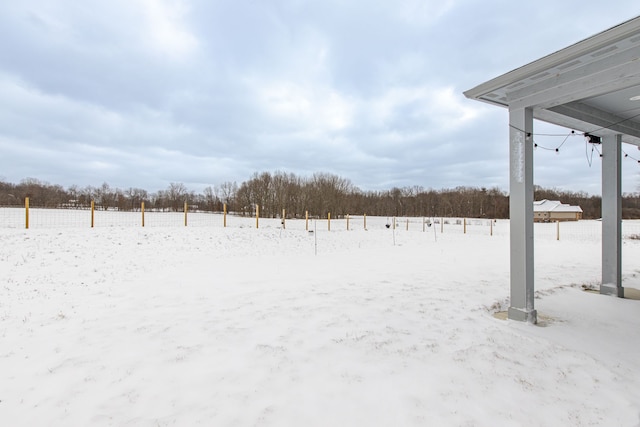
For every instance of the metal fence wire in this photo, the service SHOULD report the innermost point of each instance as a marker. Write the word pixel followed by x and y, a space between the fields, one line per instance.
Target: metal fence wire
pixel 20 217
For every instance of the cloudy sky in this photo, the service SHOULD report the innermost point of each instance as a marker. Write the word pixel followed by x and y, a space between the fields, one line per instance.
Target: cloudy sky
pixel 142 93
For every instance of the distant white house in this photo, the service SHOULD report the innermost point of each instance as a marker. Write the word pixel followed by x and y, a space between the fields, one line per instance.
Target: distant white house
pixel 553 210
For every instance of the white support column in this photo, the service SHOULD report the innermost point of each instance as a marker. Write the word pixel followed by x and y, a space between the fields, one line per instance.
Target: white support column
pixel 521 306
pixel 612 216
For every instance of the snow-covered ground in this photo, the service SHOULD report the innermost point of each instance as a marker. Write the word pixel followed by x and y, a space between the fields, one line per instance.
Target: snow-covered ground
pixel 238 326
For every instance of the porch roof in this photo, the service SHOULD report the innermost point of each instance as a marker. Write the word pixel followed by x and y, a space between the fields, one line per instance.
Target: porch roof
pixel 592 86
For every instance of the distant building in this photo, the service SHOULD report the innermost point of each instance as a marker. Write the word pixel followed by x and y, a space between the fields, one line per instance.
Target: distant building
pixel 553 210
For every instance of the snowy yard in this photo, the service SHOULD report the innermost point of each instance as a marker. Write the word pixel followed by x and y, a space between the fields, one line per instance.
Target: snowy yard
pixel 241 326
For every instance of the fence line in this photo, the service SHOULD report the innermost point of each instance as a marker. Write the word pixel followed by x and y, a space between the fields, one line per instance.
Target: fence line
pixel 94 216
pixel 30 217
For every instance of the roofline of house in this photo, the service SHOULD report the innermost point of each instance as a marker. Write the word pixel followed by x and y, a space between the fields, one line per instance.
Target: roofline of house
pixel 586 46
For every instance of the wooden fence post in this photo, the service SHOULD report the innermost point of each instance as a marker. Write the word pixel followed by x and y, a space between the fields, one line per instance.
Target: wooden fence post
pixel 557 230
pixel 365 221
pixel 257 215
pixel 329 221
pixel 93 210
pixel 26 212
pixel 185 213
pixel 142 211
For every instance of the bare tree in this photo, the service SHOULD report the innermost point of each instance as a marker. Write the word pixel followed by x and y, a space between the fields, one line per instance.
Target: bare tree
pixel 105 197
pixel 319 194
pixel 176 195
pixel 210 199
pixel 227 193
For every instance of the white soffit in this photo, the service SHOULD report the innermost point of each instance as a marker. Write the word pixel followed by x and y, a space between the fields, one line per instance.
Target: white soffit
pixel 589 86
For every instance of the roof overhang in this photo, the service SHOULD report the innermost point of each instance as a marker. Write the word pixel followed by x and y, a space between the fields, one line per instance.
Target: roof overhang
pixel 592 86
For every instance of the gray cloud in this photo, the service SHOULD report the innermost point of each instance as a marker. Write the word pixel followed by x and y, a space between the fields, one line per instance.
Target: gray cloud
pixel 143 93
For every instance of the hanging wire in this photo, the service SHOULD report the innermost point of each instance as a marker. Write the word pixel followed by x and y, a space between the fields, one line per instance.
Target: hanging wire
pixel 557 149
pixel 591 131
pixel 539 134
pixel 626 155
pixel 588 155
pixel 614 124
pixel 586 151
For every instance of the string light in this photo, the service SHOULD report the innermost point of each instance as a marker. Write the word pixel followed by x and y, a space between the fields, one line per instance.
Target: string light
pixel 589 139
pixel 557 149
pixel 626 155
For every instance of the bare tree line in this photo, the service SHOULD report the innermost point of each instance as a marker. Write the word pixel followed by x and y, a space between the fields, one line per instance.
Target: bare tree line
pixel 320 194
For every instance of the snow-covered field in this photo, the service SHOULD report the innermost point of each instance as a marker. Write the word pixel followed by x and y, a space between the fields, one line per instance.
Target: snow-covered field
pixel 238 326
